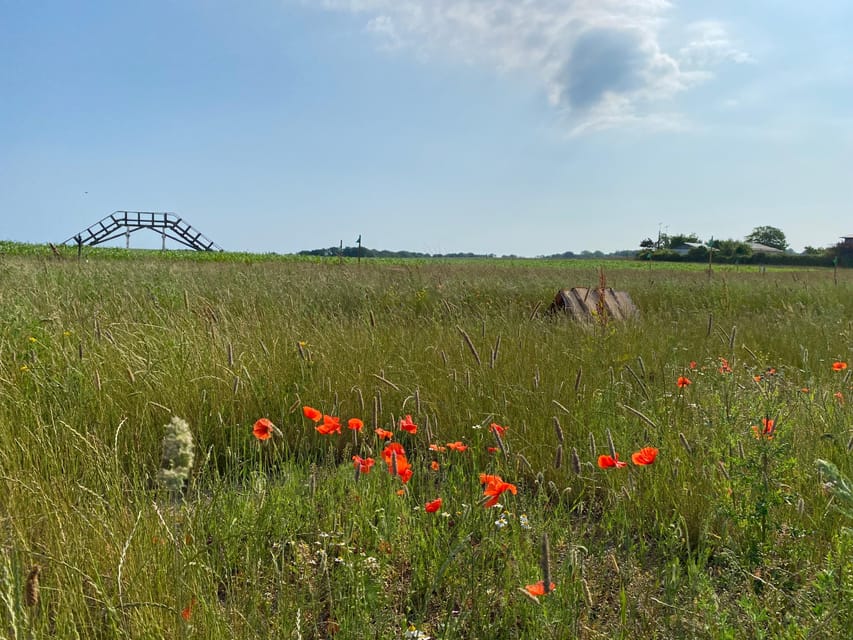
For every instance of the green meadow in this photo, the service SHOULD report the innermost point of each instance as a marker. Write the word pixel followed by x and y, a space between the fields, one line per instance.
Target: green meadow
pixel 733 531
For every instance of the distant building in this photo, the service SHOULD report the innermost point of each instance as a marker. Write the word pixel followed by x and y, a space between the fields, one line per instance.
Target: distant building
pixel 757 247
pixel 685 247
pixel 847 242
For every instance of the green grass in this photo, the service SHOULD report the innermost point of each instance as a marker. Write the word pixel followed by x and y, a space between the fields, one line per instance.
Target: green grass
pixel 725 535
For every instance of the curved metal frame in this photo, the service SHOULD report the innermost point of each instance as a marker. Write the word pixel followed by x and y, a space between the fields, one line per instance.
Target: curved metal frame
pixel 119 223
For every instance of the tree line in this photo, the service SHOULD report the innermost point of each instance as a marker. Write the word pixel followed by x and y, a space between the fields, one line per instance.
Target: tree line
pixel 688 248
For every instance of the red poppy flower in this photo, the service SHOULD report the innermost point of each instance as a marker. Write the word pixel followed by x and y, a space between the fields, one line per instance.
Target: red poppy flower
pixel 644 456
pixel 683 382
pixel 384 435
pixel 495 486
pixel 437 447
pixel 606 462
pixel 331 424
pixel 263 429
pixel 839 366
pixel 355 424
pixel 538 589
pixel 406 424
pixel 758 378
pixel 767 430
pixel 498 429
pixel 390 449
pixel 724 366
pixel 363 464
pixel 492 449
pixel 187 612
pixel 394 456
pixel 457 446
pixel 434 465
pixel 312 414
pixel 839 396
pixel 433 506
pixel 692 364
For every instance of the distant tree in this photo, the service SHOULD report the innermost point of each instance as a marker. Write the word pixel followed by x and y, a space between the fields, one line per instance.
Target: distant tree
pixel 771 236
pixel 647 243
pixel 814 251
pixel 731 249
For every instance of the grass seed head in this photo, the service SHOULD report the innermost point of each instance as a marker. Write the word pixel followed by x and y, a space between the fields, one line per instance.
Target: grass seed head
pixel 177 458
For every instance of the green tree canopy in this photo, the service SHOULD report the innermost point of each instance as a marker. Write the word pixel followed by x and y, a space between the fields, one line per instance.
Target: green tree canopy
pixel 679 239
pixel 731 249
pixel 771 236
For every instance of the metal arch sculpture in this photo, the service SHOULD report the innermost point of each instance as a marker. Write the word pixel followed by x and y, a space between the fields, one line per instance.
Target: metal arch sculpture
pixel 119 223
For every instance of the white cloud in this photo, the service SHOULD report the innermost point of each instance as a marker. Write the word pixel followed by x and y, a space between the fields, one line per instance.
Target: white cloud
pixel 600 62
pixel 710 45
pixel 383 28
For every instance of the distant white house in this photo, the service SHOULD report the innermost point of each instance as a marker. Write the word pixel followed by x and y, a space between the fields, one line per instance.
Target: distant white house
pixel 685 247
pixel 757 247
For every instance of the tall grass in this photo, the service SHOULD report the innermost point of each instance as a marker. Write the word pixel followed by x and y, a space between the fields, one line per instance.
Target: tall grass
pixel 725 535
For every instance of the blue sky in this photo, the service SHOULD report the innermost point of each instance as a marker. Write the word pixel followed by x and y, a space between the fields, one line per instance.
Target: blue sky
pixel 524 127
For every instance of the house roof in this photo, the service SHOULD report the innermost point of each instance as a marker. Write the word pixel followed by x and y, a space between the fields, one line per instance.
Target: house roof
pixel 757 247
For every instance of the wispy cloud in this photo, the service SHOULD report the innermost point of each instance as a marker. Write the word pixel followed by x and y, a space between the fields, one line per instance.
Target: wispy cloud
pixel 710 45
pixel 600 62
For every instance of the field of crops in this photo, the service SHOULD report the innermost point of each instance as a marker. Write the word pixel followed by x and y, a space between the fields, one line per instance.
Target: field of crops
pixel 249 517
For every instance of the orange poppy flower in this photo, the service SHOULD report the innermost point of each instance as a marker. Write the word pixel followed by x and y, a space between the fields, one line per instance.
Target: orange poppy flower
pixel 495 486
pixel 355 424
pixel 606 462
pixel 758 378
pixel 434 465
pixel 263 429
pixel 498 429
pixel 394 456
pixel 538 589
pixel 187 612
pixel 331 424
pixel 692 364
pixel 406 424
pixel 683 382
pixel 437 447
pixel 391 449
pixel 384 435
pixel 644 456
pixel 433 506
pixel 839 396
pixel 769 427
pixel 401 492
pixel 312 414
pixel 839 366
pixel 363 464
pixel 457 446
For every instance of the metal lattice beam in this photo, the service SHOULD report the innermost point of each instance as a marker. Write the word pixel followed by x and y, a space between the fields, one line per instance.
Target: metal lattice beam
pixel 120 223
